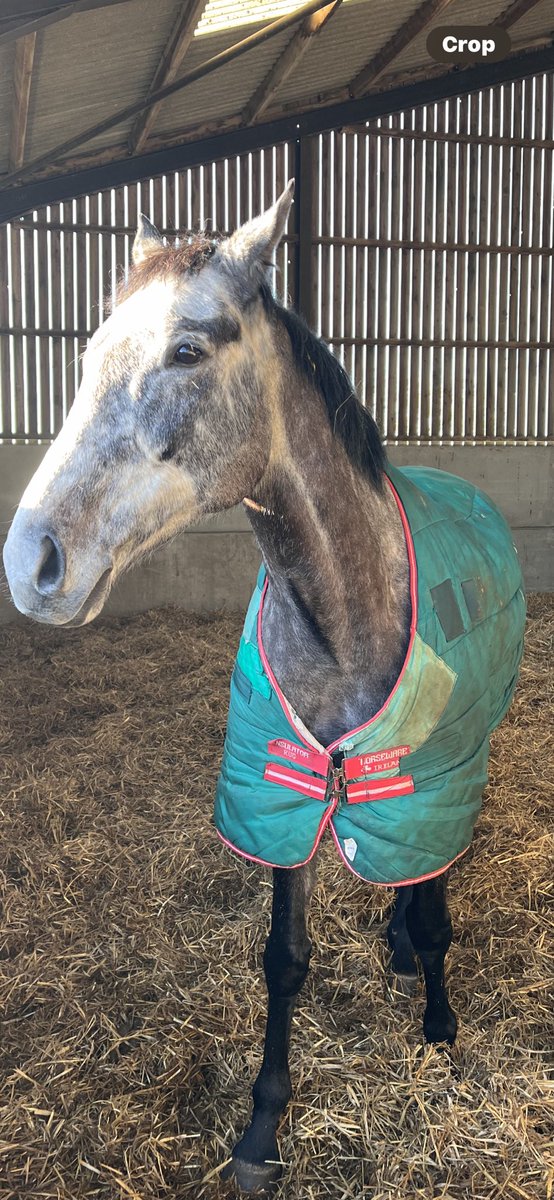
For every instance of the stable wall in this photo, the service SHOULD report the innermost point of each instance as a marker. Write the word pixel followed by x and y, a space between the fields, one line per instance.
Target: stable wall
pixel 213 565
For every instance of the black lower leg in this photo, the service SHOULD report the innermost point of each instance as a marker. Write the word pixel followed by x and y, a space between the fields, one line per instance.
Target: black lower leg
pixel 402 962
pixel 430 930
pixel 286 960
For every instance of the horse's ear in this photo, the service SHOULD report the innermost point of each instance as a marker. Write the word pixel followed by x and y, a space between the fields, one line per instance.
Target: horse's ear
pixel 147 240
pixel 255 242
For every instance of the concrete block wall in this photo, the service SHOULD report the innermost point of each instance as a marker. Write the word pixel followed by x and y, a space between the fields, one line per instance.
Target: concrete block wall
pixel 213 565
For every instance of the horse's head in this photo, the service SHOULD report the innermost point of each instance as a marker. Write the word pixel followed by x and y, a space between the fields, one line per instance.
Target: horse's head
pixel 167 424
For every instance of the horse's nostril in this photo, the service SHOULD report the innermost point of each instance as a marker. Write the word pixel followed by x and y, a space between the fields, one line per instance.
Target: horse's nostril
pixel 51 569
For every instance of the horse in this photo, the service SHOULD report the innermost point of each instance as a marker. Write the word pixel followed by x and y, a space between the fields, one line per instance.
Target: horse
pixel 387 618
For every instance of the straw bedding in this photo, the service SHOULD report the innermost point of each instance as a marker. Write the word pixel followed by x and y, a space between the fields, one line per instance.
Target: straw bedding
pixel 130 950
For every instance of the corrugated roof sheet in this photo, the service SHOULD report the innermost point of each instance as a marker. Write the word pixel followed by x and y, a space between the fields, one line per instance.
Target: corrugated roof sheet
pixel 6 96
pixel 343 47
pixel 539 20
pixel 225 93
pixel 89 66
pixel 77 83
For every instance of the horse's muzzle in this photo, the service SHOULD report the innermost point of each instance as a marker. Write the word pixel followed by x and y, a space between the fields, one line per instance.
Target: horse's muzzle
pixel 42 588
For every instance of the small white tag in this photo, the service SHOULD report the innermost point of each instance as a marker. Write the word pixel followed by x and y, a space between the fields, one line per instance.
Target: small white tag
pixel 350 848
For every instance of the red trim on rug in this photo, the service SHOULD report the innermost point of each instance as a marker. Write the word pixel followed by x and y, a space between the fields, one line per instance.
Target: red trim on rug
pixel 280 695
pixel 297 781
pixel 263 862
pixel 398 882
pixel 385 789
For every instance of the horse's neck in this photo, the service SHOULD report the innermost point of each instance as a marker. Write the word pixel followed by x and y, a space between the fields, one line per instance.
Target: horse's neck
pixel 336 617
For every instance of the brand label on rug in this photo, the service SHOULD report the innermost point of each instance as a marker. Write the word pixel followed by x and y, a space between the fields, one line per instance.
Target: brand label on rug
pixel 350 848
pixel 311 759
pixel 369 764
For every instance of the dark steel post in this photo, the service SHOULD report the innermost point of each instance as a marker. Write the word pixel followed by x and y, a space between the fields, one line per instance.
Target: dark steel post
pixel 305 220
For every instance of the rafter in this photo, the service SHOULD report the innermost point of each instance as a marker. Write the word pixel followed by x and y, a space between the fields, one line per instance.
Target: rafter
pixel 514 12
pixel 25 9
pixel 13 27
pixel 110 171
pixel 290 57
pixel 200 72
pixel 174 52
pixel 22 77
pixel 410 29
pixel 420 20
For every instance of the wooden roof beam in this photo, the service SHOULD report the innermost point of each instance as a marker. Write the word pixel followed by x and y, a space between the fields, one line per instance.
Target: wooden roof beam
pixel 406 33
pixel 425 15
pixel 22 78
pixel 514 12
pixel 12 27
pixel 174 52
pixel 25 9
pixel 80 179
pixel 200 72
pixel 286 62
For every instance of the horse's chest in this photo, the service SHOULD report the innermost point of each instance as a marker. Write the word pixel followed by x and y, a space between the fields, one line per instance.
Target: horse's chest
pixel 328 698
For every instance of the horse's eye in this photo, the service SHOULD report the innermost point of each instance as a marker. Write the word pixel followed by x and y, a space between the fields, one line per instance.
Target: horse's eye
pixel 187 355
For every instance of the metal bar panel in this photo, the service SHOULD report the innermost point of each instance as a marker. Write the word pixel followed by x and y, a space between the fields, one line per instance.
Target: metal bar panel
pixel 55 321
pixel 545 389
pixel 42 346
pixel 395 220
pixel 6 418
pixel 17 343
pixel 514 304
pixel 359 301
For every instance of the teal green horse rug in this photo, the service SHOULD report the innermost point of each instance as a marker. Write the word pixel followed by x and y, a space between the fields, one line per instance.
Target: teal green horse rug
pixel 403 803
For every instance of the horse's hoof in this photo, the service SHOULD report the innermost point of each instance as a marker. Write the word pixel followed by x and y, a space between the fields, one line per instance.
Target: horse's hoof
pixel 405 985
pixel 258 1179
pixel 441 1028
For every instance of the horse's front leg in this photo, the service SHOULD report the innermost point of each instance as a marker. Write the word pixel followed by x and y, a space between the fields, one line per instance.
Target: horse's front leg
pixel 430 931
pixel 255 1162
pixel 402 964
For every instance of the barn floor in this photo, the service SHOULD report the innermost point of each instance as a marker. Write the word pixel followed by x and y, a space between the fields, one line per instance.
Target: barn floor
pixel 130 950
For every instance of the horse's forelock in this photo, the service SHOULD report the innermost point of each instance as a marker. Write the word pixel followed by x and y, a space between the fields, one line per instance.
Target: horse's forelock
pixel 187 258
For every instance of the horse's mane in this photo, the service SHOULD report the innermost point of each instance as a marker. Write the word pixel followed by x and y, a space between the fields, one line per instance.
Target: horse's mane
pixel 351 422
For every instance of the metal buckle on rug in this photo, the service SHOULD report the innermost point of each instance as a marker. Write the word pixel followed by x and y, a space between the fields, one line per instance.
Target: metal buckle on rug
pixel 338 783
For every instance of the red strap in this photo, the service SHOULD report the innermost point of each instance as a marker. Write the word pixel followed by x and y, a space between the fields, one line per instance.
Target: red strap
pixel 370 764
pixel 385 789
pixel 307 785
pixel 312 759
